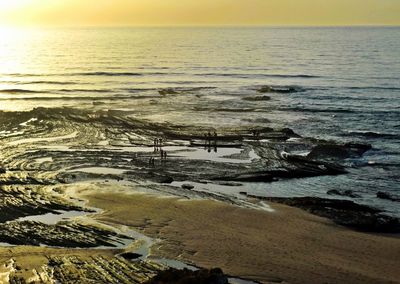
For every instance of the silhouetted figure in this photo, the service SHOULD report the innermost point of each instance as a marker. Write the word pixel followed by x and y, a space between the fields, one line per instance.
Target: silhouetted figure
pixel 165 155
pixel 162 154
pixel 205 140
pixel 151 162
pixel 215 138
pixel 209 139
pixel 160 142
pixel 155 145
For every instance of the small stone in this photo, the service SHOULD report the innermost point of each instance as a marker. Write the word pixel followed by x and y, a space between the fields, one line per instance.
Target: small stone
pixel 187 186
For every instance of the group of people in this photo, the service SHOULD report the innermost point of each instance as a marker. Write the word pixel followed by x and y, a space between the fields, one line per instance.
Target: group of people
pixel 158 144
pixel 210 140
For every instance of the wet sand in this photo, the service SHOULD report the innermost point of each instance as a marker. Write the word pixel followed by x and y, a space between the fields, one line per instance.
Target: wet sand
pixel 284 246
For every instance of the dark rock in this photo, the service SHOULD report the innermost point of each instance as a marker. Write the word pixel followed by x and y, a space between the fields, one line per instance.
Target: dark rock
pixel 358 148
pixel 251 177
pixel 278 90
pixel 168 91
pixel 229 183
pixel 130 255
pixel 347 193
pixel 343 212
pixel 257 98
pixel 329 151
pixel 187 186
pixel 164 179
pixel 387 196
pixel 185 276
pixel 289 132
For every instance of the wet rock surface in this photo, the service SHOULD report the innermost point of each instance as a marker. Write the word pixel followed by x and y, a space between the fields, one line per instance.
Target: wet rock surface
pixel 85 270
pixel 17 202
pixel 64 146
pixel 343 212
pixel 63 234
pixel 46 149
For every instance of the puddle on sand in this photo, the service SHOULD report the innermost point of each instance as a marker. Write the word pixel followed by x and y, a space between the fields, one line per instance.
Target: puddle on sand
pixel 211 154
pixel 100 171
pixel 221 155
pixel 53 218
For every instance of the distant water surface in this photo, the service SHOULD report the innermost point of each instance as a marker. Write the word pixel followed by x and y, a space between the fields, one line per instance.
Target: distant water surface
pixel 344 85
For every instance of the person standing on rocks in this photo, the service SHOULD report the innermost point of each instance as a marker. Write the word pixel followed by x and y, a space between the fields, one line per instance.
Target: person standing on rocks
pixel 209 139
pixel 155 144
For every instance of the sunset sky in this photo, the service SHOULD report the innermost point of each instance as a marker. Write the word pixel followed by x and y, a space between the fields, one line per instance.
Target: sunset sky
pixel 198 12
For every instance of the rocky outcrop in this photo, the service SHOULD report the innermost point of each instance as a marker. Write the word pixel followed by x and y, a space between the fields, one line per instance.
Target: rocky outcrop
pixel 343 212
pixel 278 90
pixel 335 151
pixel 388 196
pixel 63 234
pixel 16 202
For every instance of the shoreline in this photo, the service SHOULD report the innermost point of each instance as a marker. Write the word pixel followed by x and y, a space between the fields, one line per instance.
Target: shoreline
pixel 287 245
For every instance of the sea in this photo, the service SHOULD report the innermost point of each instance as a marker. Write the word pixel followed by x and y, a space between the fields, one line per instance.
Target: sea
pixel 345 84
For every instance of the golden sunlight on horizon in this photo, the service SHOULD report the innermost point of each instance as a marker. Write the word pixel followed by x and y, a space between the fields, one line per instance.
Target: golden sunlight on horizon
pixel 195 12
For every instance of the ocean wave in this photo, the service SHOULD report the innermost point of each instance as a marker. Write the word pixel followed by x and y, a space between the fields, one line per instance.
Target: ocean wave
pixel 226 109
pixel 47 83
pixel 20 91
pixel 316 110
pixel 106 74
pixel 374 88
pixel 93 98
pixel 84 90
pixel 245 75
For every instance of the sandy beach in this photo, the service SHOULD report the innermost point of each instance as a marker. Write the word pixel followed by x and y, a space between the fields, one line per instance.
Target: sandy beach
pixel 284 246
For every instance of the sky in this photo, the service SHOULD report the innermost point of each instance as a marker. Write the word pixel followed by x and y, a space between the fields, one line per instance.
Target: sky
pixel 198 12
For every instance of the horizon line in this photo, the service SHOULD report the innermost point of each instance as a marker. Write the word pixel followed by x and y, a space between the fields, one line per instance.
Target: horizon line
pixel 207 26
